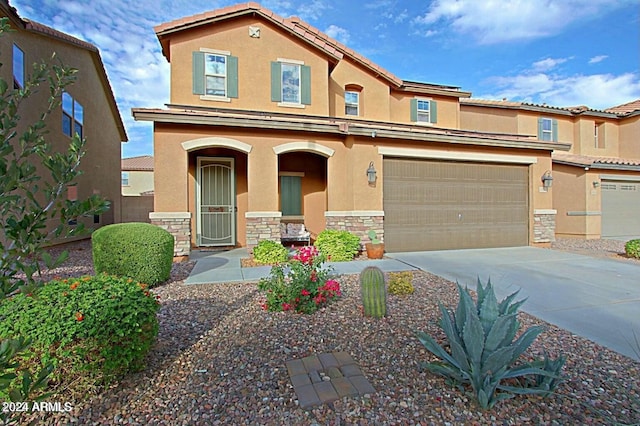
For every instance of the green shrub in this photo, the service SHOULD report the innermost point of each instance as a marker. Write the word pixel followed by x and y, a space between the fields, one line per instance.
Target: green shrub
pixel 483 352
pixel 270 252
pixel 632 248
pixel 338 246
pixel 140 251
pixel 93 329
pixel 400 283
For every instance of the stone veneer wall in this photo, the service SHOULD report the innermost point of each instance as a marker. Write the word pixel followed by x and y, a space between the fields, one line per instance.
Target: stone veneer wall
pixel 179 225
pixel 357 222
pixel 544 226
pixel 262 226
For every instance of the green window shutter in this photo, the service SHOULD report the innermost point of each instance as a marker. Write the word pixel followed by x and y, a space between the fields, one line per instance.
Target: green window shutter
pixel 433 112
pixel 291 195
pixel 414 110
pixel 232 76
pixel 276 82
pixel 305 84
pixel 554 130
pixel 540 128
pixel 198 73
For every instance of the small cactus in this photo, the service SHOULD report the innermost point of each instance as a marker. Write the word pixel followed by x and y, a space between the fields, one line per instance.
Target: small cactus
pixel 374 292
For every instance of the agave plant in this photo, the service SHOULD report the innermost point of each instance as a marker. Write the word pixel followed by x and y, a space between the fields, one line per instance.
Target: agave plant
pixel 483 352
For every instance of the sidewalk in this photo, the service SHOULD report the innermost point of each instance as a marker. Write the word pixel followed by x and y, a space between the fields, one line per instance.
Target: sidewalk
pixel 224 266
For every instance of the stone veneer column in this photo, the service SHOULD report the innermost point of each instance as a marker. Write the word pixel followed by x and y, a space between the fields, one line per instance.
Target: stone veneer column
pixel 544 226
pixel 179 225
pixel 358 222
pixel 262 226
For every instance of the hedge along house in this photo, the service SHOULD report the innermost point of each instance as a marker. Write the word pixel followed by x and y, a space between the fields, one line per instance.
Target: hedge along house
pixel 88 106
pixel 596 185
pixel 271 121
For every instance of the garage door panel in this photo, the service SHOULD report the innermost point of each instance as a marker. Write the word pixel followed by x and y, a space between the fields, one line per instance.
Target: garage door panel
pixel 620 208
pixel 431 205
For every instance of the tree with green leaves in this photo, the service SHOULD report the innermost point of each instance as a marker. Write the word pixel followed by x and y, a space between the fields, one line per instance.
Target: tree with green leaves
pixel 34 178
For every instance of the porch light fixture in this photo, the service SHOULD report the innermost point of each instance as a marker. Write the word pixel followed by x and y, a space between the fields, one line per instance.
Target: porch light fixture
pixel 371 174
pixel 596 184
pixel 547 179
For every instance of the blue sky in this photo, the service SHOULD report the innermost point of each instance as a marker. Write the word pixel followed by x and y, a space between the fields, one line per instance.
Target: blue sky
pixel 559 52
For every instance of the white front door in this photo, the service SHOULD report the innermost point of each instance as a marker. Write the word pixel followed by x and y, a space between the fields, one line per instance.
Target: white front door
pixel 216 197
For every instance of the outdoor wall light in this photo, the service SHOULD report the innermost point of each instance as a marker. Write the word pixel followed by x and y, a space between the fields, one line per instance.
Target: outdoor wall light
pixel 596 184
pixel 547 179
pixel 371 174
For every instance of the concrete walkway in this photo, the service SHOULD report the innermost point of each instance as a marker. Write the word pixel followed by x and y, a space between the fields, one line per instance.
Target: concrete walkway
pixel 592 297
pixel 224 266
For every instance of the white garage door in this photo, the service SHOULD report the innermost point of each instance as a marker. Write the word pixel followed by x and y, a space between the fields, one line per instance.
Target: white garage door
pixel 620 208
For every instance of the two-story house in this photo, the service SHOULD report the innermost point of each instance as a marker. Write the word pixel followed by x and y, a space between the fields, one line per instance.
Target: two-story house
pixel 596 184
pixel 88 105
pixel 272 121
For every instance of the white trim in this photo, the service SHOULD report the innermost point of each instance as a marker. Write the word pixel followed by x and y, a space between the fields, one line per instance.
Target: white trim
pixel 622 178
pixel 291 105
pixel 290 61
pixel 545 211
pixel 452 155
pixel 215 51
pixel 307 146
pixel 215 98
pixel 169 215
pixel 250 215
pixel 194 144
pixel 354 213
pixel 298 174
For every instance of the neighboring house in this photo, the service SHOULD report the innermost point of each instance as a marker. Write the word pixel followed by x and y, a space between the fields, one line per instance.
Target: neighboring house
pixel 271 121
pixel 137 175
pixel 596 184
pixel 88 105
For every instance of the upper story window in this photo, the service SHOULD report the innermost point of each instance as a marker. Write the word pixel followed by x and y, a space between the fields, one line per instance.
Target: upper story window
pixel 215 75
pixel 351 103
pixel 548 129
pixel 18 67
pixel 72 116
pixel 424 111
pixel 125 178
pixel 290 83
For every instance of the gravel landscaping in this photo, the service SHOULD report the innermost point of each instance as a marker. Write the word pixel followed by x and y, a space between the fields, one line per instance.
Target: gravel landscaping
pixel 220 359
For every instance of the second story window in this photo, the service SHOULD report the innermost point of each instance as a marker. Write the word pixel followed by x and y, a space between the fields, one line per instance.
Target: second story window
pixel 215 75
pixel 125 178
pixel 424 111
pixel 18 67
pixel 548 129
pixel 352 103
pixel 72 116
pixel 290 83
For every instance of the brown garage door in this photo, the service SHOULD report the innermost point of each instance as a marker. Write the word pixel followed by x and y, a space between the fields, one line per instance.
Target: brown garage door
pixel 441 205
pixel 620 209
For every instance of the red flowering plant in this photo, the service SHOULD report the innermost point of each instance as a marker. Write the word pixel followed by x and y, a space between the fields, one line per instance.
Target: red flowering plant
pixel 301 285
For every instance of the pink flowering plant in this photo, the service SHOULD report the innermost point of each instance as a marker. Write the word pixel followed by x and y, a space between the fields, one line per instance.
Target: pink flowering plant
pixel 301 285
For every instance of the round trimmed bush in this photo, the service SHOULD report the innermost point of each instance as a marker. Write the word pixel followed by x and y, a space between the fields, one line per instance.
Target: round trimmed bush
pixel 270 252
pixel 140 251
pixel 632 248
pixel 93 329
pixel 337 245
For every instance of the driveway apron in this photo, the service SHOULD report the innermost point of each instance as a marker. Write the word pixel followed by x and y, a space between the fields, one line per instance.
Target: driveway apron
pixel 592 297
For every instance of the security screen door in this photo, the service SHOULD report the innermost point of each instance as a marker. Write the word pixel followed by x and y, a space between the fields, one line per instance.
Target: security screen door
pixel 216 202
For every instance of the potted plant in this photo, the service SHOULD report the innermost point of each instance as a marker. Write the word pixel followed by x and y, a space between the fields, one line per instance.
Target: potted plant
pixel 375 249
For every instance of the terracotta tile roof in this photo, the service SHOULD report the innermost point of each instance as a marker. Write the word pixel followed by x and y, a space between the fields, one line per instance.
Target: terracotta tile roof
pixel 627 108
pixel 570 110
pixel 51 32
pixel 141 163
pixel 595 162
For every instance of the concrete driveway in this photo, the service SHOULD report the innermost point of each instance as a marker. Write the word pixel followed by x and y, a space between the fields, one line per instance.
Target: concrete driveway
pixel 592 297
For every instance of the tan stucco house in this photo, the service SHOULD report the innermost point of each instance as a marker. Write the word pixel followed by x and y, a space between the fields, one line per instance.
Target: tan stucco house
pixel 271 121
pixel 596 184
pixel 137 176
pixel 88 105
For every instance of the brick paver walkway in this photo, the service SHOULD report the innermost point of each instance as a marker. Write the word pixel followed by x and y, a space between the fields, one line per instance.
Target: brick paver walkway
pixel 326 377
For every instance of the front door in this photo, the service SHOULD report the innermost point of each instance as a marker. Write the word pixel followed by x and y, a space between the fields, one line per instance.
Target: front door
pixel 216 202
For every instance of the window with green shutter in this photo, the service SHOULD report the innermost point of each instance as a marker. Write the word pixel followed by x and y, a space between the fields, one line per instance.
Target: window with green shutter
pixel 548 129
pixel 290 83
pixel 424 111
pixel 215 75
pixel 291 195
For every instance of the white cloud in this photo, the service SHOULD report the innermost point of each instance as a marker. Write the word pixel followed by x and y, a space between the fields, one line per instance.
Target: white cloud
pixel 508 20
pixel 312 10
pixel 597 59
pixel 548 63
pixel 338 33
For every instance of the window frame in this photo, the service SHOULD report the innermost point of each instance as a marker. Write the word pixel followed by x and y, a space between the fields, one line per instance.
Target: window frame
pixel 18 80
pixel 123 179
pixel 279 86
pixel 417 112
pixel 215 75
pixel 552 132
pixel 72 116
pixel 422 112
pixel 355 105
pixel 199 74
